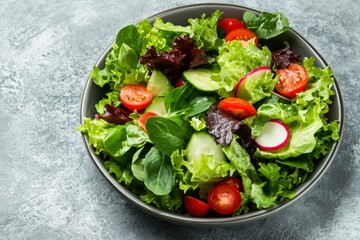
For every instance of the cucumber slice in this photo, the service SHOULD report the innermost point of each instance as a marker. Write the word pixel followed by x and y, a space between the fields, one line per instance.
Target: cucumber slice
pixel 157 106
pixel 158 84
pixel 203 143
pixel 201 79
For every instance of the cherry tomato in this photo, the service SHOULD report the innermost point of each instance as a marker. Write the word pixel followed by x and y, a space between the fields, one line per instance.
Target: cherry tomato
pixel 235 182
pixel 135 96
pixel 224 198
pixel 229 24
pixel 179 82
pixel 238 107
pixel 241 34
pixel 195 206
pixel 292 80
pixel 142 119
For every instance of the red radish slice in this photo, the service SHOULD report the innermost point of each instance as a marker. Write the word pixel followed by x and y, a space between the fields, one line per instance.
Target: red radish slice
pixel 259 72
pixel 274 135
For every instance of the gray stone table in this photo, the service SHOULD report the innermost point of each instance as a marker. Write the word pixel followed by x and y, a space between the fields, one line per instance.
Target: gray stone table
pixel 49 187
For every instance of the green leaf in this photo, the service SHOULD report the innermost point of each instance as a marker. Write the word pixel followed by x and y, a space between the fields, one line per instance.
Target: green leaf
pixel 131 37
pixel 159 175
pixel 263 193
pixel 120 68
pixel 127 57
pixel 303 126
pixel 113 140
pixel 204 31
pixel 97 130
pixel 198 122
pixel 151 36
pixel 255 89
pixel 137 165
pixel 171 202
pixel 187 101
pixel 112 98
pixel 167 135
pixel 266 25
pixel 170 27
pixel 123 174
pixel 318 90
pixel 302 162
pixel 235 61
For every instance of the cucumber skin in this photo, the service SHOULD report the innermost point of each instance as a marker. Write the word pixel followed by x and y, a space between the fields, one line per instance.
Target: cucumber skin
pixel 201 79
pixel 158 84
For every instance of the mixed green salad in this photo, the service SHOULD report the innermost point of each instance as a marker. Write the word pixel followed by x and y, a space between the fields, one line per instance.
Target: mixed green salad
pixel 207 119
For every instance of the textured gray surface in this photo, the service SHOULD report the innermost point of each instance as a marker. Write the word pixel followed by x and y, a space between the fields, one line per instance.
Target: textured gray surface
pixel 50 189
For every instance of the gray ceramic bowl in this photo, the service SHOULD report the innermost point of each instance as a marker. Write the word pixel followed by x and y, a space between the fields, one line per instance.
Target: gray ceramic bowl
pixel 92 94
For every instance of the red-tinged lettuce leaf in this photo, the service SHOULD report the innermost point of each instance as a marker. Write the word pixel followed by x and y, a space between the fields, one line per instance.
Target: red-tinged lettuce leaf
pixel 168 62
pixel 193 56
pixel 221 125
pixel 115 115
pixel 246 140
pixel 284 56
pixel 182 56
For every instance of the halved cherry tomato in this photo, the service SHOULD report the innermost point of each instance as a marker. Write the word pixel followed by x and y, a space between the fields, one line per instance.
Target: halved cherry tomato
pixel 135 96
pixel 179 82
pixel 224 198
pixel 292 80
pixel 235 182
pixel 238 107
pixel 195 206
pixel 142 119
pixel 229 24
pixel 241 34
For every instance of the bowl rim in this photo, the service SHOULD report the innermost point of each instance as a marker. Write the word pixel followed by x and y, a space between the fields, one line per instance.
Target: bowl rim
pixel 183 219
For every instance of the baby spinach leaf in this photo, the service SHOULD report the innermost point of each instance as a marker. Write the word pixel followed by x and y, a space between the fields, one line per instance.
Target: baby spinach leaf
pixel 159 176
pixel 168 135
pixel 187 101
pixel 266 25
pixel 130 36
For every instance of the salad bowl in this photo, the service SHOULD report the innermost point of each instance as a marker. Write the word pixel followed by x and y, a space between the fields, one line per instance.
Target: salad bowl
pixel 179 16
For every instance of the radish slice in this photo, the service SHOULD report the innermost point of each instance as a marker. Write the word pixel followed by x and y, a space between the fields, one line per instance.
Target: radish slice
pixel 274 135
pixel 255 74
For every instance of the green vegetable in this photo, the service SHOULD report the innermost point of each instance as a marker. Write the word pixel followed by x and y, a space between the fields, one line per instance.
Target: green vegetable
pixel 137 165
pixel 204 31
pixel 167 135
pixel 255 89
pixel 302 128
pixel 235 61
pixel 201 79
pixel 266 25
pixel 111 99
pixel 120 68
pixel 129 36
pixel 96 131
pixel 159 84
pixel 171 202
pixel 151 36
pixel 123 174
pixel 169 27
pixel 157 106
pixel 263 190
pixel 187 101
pixel 207 162
pixel 113 139
pixel 159 175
